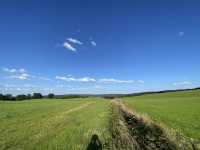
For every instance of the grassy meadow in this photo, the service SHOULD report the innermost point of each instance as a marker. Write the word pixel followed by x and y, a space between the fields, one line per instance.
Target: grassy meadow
pixel 178 110
pixel 70 124
pixel 53 124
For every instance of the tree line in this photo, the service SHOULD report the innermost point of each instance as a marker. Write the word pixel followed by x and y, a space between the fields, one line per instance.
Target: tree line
pixel 10 97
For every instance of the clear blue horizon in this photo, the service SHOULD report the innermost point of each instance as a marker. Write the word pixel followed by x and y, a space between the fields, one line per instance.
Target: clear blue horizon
pixel 97 47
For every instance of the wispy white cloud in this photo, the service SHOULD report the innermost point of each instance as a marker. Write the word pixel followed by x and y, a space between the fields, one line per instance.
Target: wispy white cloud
pixel 13 70
pixel 111 80
pixel 69 46
pixel 75 41
pixel 23 76
pixel 181 33
pixel 87 79
pixel 9 70
pixel 64 78
pixel 93 43
pixel 84 79
pixel 182 83
pixel 140 81
pixel 22 70
pixel 103 80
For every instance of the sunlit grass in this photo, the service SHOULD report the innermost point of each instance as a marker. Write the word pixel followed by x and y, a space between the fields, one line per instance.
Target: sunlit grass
pixel 53 124
pixel 177 110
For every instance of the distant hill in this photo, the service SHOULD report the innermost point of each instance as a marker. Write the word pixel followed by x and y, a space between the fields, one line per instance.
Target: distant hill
pixel 111 96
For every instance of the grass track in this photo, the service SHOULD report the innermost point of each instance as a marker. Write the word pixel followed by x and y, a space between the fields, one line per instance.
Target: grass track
pixel 177 110
pixel 53 124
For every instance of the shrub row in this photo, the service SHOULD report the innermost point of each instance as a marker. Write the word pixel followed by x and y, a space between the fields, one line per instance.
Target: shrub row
pixel 10 97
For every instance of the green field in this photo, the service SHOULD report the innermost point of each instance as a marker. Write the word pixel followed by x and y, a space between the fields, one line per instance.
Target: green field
pixel 53 124
pixel 69 124
pixel 177 110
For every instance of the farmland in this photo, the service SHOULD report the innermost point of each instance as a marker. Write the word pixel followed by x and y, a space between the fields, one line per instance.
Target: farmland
pixel 177 110
pixel 52 124
pixel 71 124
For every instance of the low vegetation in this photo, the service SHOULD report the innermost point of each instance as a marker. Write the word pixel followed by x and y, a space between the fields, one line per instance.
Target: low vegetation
pixel 9 97
pixel 53 124
pixel 129 123
pixel 177 110
pixel 134 132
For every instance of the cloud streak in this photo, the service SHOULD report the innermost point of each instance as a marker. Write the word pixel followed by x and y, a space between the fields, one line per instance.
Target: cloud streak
pixel 93 43
pixel 103 80
pixel 183 83
pixel 69 46
pixel 69 79
pixel 75 41
pixel 181 34
pixel 13 70
pixel 111 80
pixel 22 74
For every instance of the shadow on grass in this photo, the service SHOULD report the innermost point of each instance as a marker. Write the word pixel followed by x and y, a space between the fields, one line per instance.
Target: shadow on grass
pixel 95 143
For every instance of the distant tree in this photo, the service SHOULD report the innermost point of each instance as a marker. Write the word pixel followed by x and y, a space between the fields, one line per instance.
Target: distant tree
pixel 109 97
pixel 28 96
pixel 51 95
pixel 21 97
pixel 1 97
pixel 37 95
pixel 9 97
pixel 72 96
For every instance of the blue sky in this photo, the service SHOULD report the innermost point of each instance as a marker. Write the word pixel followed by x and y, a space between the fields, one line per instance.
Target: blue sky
pixel 90 46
